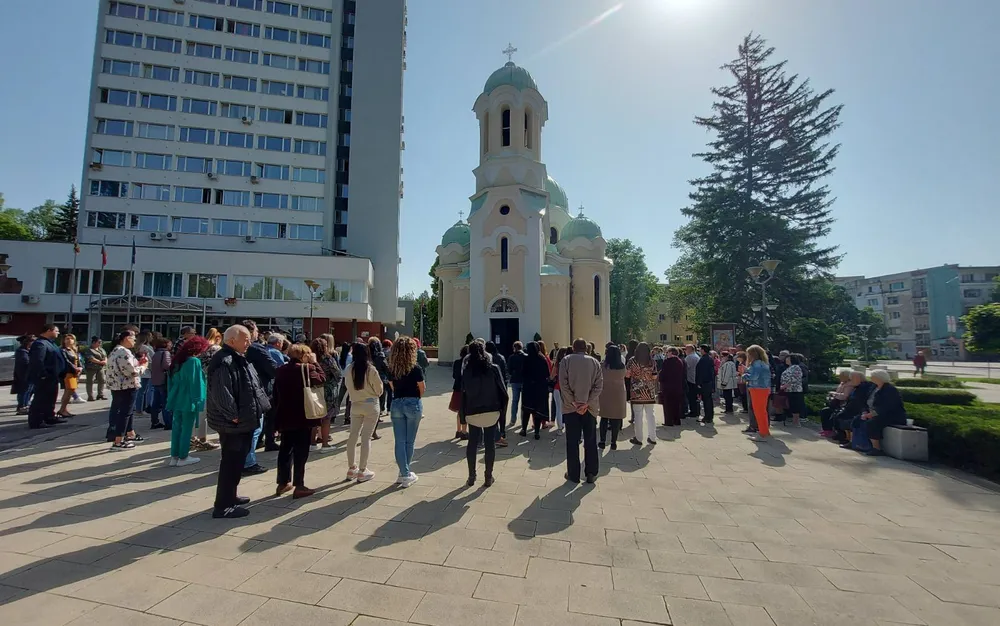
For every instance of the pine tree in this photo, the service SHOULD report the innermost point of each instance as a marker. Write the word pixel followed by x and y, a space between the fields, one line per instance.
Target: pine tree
pixel 65 224
pixel 764 199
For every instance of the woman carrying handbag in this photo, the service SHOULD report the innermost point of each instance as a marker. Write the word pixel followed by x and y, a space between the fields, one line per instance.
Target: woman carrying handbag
pixel 484 395
pixel 299 405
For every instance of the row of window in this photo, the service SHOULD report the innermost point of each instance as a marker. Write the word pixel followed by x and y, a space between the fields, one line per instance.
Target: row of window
pixel 201 226
pixel 165 73
pixel 202 165
pixel 218 24
pixel 176 18
pixel 207 136
pixel 196 195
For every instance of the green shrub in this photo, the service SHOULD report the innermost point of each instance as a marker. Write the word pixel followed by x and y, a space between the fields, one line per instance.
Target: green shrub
pixel 949 397
pixel 988 381
pixel 967 437
pixel 930 383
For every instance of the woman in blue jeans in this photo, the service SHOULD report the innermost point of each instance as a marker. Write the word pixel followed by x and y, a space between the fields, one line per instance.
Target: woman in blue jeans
pixel 407 380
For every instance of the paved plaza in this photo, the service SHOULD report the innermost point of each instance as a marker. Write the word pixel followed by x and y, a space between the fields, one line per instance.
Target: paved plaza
pixel 706 528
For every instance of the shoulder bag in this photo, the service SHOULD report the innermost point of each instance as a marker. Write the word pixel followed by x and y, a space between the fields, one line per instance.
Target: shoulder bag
pixel 313 400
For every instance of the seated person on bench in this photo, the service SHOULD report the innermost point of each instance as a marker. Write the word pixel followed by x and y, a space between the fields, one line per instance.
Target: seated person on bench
pixel 857 404
pixel 887 410
pixel 834 401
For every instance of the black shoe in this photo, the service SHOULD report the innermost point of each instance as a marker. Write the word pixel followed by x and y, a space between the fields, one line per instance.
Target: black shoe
pixel 651 442
pixel 471 481
pixel 566 476
pixel 253 470
pixel 46 425
pixel 90 399
pixel 601 444
pixel 376 436
pixel 241 500
pixel 488 482
pixel 271 448
pixel 101 398
pixel 875 452
pixel 232 512
pixel 635 442
pixel 347 421
pixel 523 433
pixel 591 479
pixel 537 435
pixel 260 445
pixel 614 446
pixel 156 426
pixel 58 420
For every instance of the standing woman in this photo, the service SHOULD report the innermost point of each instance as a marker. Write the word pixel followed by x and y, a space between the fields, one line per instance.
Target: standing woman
pixel 673 384
pixel 95 358
pixel 484 395
pixel 462 429
pixel 791 384
pixel 758 379
pixel 344 358
pixel 333 375
pixel 124 371
pixel 21 385
pixel 143 395
pixel 186 391
pixel 728 380
pixel 633 345
pixel 556 396
pixel 71 377
pixel 407 381
pixel 159 365
pixel 614 401
pixel 534 389
pixel 741 385
pixel 551 403
pixel 290 382
pixel 364 388
pixel 214 340
pixel 641 370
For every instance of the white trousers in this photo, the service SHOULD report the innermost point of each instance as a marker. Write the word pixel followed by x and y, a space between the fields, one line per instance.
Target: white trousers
pixel 645 419
pixel 559 407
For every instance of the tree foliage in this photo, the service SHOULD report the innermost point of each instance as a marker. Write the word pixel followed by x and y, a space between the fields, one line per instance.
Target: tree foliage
pixel 982 328
pixel 633 289
pixel 64 224
pixel 42 223
pixel 995 294
pixel 764 198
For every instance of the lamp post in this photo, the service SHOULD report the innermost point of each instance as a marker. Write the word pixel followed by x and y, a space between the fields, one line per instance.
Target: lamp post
pixel 864 337
pixel 313 286
pixel 761 275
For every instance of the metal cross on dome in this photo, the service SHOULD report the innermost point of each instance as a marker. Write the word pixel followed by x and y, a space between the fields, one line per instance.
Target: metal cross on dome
pixel 509 51
pixel 581 211
pixel 461 215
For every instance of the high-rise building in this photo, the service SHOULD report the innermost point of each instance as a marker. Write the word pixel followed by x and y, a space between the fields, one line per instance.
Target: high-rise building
pixel 251 144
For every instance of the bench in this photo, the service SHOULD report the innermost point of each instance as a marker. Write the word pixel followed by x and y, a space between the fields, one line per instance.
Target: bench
pixel 907 443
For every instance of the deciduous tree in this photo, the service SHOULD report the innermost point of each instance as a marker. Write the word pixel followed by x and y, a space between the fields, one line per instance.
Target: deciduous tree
pixel 633 289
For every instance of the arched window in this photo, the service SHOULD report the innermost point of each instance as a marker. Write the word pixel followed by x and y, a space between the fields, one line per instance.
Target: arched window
pixel 527 129
pixel 553 236
pixel 486 132
pixel 597 296
pixel 503 254
pixel 505 128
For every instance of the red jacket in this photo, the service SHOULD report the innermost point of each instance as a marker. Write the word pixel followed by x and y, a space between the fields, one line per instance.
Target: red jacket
pixel 290 413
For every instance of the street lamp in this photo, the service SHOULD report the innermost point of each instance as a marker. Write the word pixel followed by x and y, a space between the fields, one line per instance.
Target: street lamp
pixel 313 286
pixel 761 275
pixel 864 337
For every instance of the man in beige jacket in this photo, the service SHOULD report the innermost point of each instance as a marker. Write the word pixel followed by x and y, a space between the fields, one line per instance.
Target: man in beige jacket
pixel 580 384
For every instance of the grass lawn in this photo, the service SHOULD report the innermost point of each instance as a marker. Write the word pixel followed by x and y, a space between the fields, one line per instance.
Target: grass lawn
pixel 988 381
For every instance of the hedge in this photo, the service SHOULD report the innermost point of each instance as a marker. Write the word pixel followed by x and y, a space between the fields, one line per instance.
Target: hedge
pixel 950 397
pixel 930 383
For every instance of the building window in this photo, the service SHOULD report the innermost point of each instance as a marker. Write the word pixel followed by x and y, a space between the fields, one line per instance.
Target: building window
pixel 239 55
pixel 108 189
pixel 689 338
pixel 197 135
pixel 504 260
pixel 119 128
pixel 165 16
pixel 527 130
pixel 307 203
pixel 553 235
pixel 505 128
pixel 146 191
pixel 663 317
pixel 308 175
pixel 663 337
pixel 280 61
pixel 198 165
pixel 58 280
pixel 122 68
pixel 207 285
pixel 896 286
pixel 125 9
pixel 872 302
pixel 968 278
pixel 162 284
pixel 230 228
pixel 193 225
pixel 267 230
pixel 892 300
pixel 199 107
pixel 149 223
pixel 305 232
pixel 895 315
pixel 972 293
pixel 105 219
pixel 597 296
pixel 486 132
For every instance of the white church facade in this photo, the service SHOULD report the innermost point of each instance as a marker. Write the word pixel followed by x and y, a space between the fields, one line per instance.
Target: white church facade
pixel 520 265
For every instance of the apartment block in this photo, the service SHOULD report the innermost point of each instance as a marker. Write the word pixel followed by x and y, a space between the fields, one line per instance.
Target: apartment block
pixel 670 330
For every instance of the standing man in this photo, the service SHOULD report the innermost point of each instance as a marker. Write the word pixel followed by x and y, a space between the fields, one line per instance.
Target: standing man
pixel 46 366
pixel 260 358
pixel 705 383
pixel 95 358
pixel 186 333
pixel 580 385
pixel 515 369
pixel 236 400
pixel 691 363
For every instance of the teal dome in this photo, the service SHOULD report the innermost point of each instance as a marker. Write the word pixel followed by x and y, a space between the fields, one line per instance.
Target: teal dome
pixel 510 74
pixel 580 226
pixel 557 195
pixel 459 233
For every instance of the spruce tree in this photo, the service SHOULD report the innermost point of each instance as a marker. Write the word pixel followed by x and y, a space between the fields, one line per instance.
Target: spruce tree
pixel 763 199
pixel 65 224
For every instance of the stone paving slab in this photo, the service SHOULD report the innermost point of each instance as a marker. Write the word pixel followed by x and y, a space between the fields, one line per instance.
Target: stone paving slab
pixel 705 529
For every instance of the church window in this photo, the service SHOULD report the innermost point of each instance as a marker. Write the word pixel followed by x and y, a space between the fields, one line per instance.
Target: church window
pixel 503 254
pixel 527 130
pixel 553 235
pixel 597 295
pixel 486 132
pixel 505 210
pixel 505 128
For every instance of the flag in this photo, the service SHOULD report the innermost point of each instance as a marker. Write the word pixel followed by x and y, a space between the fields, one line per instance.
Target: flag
pixel 104 256
pixel 133 250
pixel 76 246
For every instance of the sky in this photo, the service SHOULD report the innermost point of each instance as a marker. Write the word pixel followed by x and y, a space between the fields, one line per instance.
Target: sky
pixel 915 180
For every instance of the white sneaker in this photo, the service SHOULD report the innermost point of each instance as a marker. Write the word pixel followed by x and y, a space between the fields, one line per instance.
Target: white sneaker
pixel 78 400
pixel 316 447
pixel 406 481
pixel 172 462
pixel 352 473
pixel 191 460
pixel 365 476
pixel 325 449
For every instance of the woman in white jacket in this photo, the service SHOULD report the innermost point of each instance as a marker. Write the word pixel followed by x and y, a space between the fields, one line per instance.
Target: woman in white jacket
pixel 728 380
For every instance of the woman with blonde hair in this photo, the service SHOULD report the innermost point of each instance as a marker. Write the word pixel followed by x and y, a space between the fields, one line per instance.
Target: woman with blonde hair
pixel 72 376
pixel 201 442
pixel 758 379
pixel 407 380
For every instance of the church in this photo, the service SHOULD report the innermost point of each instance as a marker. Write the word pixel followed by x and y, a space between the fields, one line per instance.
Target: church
pixel 520 265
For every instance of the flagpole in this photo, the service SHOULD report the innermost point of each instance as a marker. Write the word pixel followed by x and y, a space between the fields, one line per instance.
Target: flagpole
pixel 100 292
pixel 131 289
pixel 73 286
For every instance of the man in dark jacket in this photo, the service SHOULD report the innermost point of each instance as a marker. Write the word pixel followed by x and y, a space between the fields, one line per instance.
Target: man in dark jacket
pixel 515 372
pixel 704 378
pixel 234 405
pixel 501 363
pixel 260 358
pixel 46 366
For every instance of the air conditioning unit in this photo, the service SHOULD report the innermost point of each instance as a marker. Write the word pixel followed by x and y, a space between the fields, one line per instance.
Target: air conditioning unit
pixel 212 176
pixel 96 166
pixel 155 236
pixel 254 180
pixel 250 239
pixel 171 237
pixel 29 299
pixel 247 120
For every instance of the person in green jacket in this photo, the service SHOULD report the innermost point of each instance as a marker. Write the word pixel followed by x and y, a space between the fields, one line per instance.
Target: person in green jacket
pixel 186 389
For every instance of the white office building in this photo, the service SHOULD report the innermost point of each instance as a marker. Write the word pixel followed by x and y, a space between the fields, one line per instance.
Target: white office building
pixel 225 135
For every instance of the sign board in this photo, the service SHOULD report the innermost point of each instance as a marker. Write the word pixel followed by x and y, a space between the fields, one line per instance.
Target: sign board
pixel 723 336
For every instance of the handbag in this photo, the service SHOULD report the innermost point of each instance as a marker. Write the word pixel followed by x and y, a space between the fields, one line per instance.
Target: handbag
pixel 455 404
pixel 313 400
pixel 779 403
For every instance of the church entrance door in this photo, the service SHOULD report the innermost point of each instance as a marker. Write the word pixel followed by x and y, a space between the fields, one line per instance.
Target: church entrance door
pixel 504 332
